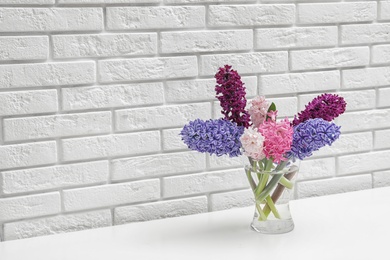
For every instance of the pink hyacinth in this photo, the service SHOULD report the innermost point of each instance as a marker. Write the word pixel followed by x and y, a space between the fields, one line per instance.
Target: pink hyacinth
pixel 277 139
pixel 258 111
pixel 252 142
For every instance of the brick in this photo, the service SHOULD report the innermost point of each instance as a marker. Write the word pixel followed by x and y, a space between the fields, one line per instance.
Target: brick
pixel 346 144
pixel 244 63
pixel 23 155
pixel 205 1
pixel 299 82
pixel 225 162
pixel 204 183
pixel 382 139
pixel 104 45
pixel 50 19
pixel 317 168
pixel 112 96
pixel 334 186
pixel 206 41
pixel 28 128
pixel 81 2
pixel 155 17
pixel 381 54
pixel 111 195
pixel 27 2
pixel 47 74
pixel 384 13
pixel 110 145
pixel 168 164
pixel 28 102
pixel 364 78
pixel 364 120
pixel 24 48
pixel 161 209
pixel 337 12
pixel 171 140
pixel 201 89
pixel 381 179
pixel 357 163
pixel 29 206
pixel 384 97
pixel 60 176
pixel 295 37
pixel 147 69
pixel 166 116
pixel 57 225
pixel 330 58
pixel 251 15
pixel 234 199
pixel 365 33
pixel 356 100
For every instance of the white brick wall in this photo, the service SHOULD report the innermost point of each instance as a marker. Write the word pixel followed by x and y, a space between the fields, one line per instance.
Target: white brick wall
pixel 93 95
pixel 104 45
pixel 24 48
pixel 337 12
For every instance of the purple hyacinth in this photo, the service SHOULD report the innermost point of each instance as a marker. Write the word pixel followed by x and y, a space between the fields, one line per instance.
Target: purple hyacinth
pixel 213 136
pixel 325 106
pixel 311 135
pixel 231 95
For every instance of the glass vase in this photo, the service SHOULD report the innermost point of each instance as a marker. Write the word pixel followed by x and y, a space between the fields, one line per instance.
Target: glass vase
pixel 273 188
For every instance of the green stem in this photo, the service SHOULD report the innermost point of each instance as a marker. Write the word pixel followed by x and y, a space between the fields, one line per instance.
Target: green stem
pixel 251 181
pixel 271 206
pixel 262 216
pixel 263 181
pixel 267 190
pixel 267 210
pixel 286 183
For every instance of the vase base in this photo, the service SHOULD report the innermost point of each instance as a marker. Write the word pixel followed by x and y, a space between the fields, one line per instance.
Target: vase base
pixel 279 226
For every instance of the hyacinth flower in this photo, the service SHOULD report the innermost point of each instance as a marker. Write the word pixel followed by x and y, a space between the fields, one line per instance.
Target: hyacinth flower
pixel 217 136
pixel 312 135
pixel 231 95
pixel 325 106
pixel 277 138
pixel 258 111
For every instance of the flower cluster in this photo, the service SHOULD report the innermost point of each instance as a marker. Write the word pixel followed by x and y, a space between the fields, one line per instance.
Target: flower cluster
pixel 258 111
pixel 277 139
pixel 325 106
pixel 231 95
pixel 312 135
pixel 213 136
pixel 253 142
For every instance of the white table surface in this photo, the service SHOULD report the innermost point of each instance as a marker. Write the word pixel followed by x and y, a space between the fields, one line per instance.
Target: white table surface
pixel 354 225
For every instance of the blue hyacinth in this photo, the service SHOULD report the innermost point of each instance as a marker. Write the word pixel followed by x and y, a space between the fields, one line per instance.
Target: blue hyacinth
pixel 213 136
pixel 311 135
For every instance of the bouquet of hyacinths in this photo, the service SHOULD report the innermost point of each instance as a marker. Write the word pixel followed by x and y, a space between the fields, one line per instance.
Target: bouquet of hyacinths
pixel 271 145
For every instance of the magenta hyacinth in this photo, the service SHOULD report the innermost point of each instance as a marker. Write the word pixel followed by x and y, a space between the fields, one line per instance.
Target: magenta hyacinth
pixel 325 106
pixel 231 95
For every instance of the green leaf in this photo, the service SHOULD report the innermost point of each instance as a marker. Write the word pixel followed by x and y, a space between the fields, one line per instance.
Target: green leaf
pixel 272 107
